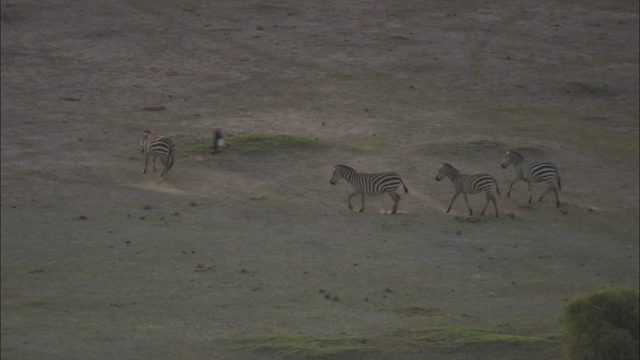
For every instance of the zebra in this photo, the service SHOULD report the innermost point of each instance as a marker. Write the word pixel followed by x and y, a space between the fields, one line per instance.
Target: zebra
pixel 533 172
pixel 469 184
pixel 157 146
pixel 370 184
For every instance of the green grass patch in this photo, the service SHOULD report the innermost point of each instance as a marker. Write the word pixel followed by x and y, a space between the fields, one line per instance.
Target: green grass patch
pixel 255 144
pixel 308 347
pixel 143 8
pixel 189 7
pixel 466 149
pixel 449 336
pixel 247 144
pixel 580 88
pixel 370 144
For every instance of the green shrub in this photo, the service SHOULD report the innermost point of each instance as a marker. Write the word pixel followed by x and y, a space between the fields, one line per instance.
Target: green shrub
pixel 602 325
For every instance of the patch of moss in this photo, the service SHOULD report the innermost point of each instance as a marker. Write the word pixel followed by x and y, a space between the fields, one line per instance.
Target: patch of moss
pixel 307 347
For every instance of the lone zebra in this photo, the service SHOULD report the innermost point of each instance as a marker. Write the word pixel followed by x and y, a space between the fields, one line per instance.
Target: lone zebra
pixel 533 172
pixel 469 184
pixel 370 184
pixel 157 147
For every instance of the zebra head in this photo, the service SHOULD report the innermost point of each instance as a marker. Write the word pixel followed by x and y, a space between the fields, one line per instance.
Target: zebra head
pixel 341 171
pixel 446 170
pixel 143 138
pixel 511 157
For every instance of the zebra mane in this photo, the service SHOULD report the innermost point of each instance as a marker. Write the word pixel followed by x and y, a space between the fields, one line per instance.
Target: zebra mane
pixel 346 167
pixel 449 165
pixel 517 153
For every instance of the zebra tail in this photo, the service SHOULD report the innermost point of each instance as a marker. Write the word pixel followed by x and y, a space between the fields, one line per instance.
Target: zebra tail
pixel 406 191
pixel 497 188
pixel 559 183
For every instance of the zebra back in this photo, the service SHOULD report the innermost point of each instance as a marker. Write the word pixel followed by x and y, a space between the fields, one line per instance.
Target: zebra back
pixel 371 184
pixel 538 171
pixel 163 148
pixel 158 146
pixel 475 183
pixel 469 183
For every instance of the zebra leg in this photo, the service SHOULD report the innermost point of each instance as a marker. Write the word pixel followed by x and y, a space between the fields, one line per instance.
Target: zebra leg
pixel 555 191
pixel 349 199
pixel 495 205
pixel 452 200
pixel 396 201
pixel 530 194
pixel 485 206
pixel 466 200
pixel 511 185
pixel 146 162
pixel 545 193
pixel 362 196
pixel 154 163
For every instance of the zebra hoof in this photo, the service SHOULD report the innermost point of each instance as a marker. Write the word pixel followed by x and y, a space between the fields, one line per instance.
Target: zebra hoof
pixel 361 210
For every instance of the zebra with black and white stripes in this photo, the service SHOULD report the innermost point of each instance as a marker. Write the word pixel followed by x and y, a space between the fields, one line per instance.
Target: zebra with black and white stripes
pixel 370 184
pixel 469 184
pixel 533 172
pixel 157 147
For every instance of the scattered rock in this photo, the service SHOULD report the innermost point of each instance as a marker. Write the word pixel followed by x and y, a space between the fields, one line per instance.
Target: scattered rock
pixel 82 217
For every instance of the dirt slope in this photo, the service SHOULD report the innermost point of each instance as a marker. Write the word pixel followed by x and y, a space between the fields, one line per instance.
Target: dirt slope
pixel 253 254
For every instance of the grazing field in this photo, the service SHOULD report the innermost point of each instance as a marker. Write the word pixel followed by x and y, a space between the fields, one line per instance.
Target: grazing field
pixel 251 253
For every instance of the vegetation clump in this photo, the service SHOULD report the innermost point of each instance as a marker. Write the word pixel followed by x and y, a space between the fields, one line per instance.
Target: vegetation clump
pixel 255 143
pixel 602 325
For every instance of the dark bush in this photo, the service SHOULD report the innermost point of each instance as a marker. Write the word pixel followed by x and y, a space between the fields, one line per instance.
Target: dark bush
pixel 603 325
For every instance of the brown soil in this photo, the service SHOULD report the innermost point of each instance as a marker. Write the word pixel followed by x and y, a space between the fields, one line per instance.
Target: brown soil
pixel 255 255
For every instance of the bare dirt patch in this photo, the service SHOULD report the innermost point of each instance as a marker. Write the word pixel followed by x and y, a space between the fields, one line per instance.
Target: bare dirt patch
pixel 252 253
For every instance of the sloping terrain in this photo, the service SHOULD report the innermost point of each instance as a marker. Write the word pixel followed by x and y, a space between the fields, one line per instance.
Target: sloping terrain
pixel 252 253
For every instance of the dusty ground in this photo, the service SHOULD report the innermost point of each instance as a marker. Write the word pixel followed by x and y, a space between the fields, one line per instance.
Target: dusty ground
pixel 254 255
